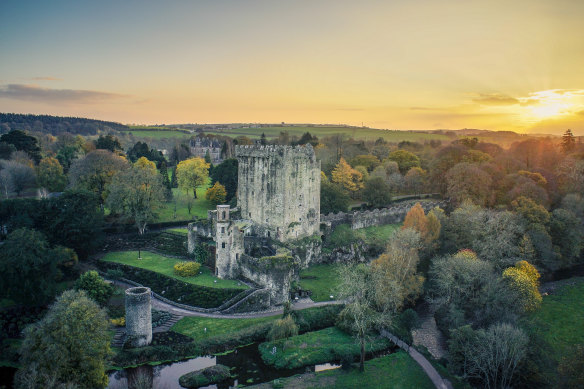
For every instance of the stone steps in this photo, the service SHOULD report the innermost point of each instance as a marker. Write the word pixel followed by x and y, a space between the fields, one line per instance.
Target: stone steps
pixel 168 324
pixel 119 337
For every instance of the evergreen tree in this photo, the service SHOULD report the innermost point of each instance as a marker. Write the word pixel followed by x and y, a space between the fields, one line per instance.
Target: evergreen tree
pixel 568 141
pixel 173 180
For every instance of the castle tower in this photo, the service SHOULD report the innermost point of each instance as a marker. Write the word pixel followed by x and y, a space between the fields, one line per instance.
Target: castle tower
pixel 138 316
pixel 279 189
pixel 223 265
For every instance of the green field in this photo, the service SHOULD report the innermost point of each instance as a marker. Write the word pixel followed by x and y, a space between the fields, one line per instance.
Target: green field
pixel 164 265
pixel 200 206
pixel 180 231
pixel 273 132
pixel 560 320
pixel 396 371
pixel 315 347
pixel 195 326
pixel 322 280
pixel 374 235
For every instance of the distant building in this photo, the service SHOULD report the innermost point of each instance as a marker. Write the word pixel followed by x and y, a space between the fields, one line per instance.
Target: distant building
pixel 201 145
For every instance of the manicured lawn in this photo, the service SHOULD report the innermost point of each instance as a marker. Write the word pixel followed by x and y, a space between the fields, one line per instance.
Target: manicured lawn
pixel 315 347
pixel 195 326
pixel 322 280
pixel 199 208
pixel 560 320
pixel 397 371
pixel 164 265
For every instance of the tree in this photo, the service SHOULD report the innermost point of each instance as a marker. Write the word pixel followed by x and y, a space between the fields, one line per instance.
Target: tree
pixel 523 279
pixel 492 355
pixel 165 181
pixel 192 173
pixel 568 142
pixel 356 288
pixel 567 233
pixel 368 161
pixel 136 194
pixel 23 142
pixel 415 180
pixel 108 142
pixel 226 173
pixel 346 176
pixel 283 329
pixel 17 177
pixel 50 175
pixel 416 219
pixel 377 192
pixel 70 345
pixel 95 171
pixel 216 194
pixel 333 198
pixel 394 272
pixel 173 179
pixel 28 267
pixel 467 181
pixel 405 160
pixel 95 287
pixel 6 149
pixel 141 149
pixel 263 141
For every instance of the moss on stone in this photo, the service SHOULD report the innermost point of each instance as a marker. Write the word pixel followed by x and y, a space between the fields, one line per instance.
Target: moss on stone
pixel 208 376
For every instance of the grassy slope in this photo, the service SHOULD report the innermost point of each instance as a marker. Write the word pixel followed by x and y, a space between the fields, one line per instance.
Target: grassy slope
pixel 199 209
pixel 322 280
pixel 397 371
pixel 164 265
pixel 178 230
pixel 195 326
pixel 315 347
pixel 560 319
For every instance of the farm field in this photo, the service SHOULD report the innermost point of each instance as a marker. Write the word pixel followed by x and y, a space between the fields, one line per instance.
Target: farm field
pixel 272 132
pixel 164 265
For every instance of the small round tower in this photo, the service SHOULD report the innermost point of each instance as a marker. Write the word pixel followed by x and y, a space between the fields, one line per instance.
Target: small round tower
pixel 138 317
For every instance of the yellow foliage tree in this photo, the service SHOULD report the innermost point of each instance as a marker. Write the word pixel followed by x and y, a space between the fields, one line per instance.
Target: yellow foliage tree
pixel 345 175
pixel 146 164
pixel 417 220
pixel 192 173
pixel 217 193
pixel 523 278
pixel 434 225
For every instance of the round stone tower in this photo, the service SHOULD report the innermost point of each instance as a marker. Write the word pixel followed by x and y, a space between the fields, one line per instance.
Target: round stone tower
pixel 138 317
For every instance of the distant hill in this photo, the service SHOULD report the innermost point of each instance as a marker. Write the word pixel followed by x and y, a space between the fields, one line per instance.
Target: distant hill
pixel 56 125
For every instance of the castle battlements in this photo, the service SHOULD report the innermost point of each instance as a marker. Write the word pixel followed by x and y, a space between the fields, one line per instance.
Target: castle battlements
pixel 269 151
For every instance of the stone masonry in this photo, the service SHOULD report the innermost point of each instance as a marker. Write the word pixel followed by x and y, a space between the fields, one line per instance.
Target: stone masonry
pixel 138 317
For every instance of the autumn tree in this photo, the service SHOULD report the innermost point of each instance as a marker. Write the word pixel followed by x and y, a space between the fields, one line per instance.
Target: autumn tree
pixel 136 193
pixel 346 176
pixel 523 279
pixel 467 181
pixel 370 162
pixel 95 171
pixel 216 194
pixel 50 175
pixel 70 345
pixel 415 180
pixel 192 173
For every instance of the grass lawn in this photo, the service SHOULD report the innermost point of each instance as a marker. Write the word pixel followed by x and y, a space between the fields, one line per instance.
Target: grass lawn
pixel 397 371
pixel 315 347
pixel 181 231
pixel 322 280
pixel 195 326
pixel 374 235
pixel 560 319
pixel 199 208
pixel 164 265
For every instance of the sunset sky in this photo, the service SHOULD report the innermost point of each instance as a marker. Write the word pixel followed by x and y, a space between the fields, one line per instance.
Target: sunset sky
pixel 416 64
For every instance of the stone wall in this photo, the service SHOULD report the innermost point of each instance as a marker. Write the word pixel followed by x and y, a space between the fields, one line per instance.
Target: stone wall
pixel 273 273
pixel 377 217
pixel 279 189
pixel 138 317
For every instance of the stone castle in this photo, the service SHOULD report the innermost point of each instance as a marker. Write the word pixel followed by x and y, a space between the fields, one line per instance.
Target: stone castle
pixel 278 201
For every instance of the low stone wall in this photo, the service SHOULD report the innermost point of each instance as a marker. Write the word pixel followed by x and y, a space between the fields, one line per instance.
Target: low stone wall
pixel 259 300
pixel 377 217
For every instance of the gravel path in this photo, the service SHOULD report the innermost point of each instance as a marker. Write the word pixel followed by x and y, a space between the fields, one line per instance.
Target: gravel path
pixel 428 334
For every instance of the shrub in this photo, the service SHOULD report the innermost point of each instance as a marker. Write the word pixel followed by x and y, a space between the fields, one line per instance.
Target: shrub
pixel 187 269
pixel 95 286
pixel 119 322
pixel 283 329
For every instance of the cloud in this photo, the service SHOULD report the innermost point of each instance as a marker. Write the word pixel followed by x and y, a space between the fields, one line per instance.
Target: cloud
pixel 49 78
pixel 581 113
pixel 47 95
pixel 495 99
pixel 421 109
pixel 350 109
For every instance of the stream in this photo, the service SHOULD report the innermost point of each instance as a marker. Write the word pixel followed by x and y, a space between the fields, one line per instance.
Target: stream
pixel 248 369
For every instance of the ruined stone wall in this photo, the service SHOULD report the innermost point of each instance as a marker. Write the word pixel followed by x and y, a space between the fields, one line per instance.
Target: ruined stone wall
pixel 377 217
pixel 279 189
pixel 138 317
pixel 274 274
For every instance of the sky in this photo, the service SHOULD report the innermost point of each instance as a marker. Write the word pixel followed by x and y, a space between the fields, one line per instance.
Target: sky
pixel 408 64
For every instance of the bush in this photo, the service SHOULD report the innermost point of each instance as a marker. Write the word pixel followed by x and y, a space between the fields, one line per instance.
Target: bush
pixel 283 329
pixel 95 286
pixel 187 269
pixel 119 322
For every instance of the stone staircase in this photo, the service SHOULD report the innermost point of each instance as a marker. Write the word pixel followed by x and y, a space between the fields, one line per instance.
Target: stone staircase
pixel 119 337
pixel 120 332
pixel 168 324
